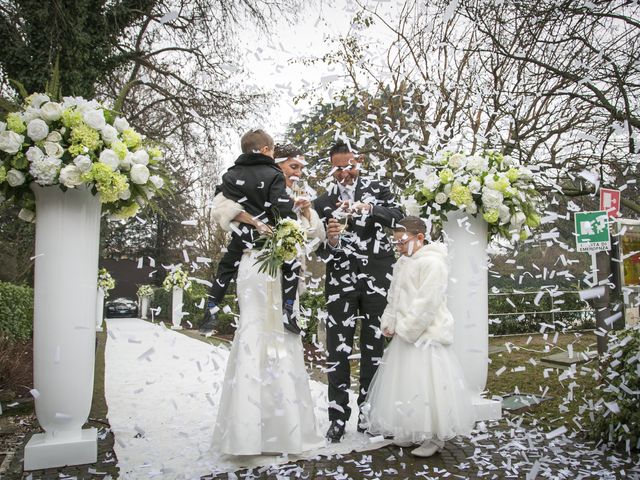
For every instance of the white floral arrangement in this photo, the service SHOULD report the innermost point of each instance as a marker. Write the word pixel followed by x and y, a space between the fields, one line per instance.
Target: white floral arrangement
pixel 176 278
pixel 73 143
pixel 489 184
pixel 145 291
pixel 105 281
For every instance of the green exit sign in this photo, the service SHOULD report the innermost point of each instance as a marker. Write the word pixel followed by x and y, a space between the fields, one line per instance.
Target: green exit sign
pixel 592 231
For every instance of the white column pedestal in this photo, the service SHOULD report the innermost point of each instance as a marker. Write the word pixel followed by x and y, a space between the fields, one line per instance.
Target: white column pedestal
pixel 43 452
pixel 176 308
pixel 64 326
pixel 144 307
pixel 468 301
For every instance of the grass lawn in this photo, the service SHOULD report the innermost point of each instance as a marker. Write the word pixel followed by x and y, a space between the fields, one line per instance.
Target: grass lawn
pixel 520 369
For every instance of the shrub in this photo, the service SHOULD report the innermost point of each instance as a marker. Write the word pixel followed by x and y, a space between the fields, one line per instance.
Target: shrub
pixel 192 300
pixel 615 416
pixel 16 311
pixel 16 366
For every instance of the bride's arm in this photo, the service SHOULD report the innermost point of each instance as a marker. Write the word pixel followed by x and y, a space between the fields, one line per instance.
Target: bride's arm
pixel 224 212
pixel 310 221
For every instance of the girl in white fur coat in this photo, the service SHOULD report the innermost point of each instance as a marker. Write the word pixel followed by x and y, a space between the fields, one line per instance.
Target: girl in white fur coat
pixel 418 394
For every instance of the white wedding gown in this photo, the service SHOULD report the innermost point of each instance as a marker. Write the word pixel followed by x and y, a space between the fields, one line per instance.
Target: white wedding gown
pixel 266 404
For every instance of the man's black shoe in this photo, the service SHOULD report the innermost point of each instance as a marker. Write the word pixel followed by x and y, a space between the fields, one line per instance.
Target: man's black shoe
pixel 209 323
pixel 289 321
pixel 336 431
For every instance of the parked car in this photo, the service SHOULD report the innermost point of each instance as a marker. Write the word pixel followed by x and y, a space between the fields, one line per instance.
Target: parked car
pixel 121 307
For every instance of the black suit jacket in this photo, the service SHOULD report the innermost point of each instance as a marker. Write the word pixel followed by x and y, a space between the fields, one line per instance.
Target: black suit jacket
pixel 256 183
pixel 366 250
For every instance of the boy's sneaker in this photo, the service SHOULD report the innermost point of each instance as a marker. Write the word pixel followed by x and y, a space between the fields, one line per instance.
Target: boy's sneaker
pixel 210 321
pixel 289 320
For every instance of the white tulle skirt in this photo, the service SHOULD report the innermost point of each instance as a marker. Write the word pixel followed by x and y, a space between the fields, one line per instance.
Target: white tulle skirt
pixel 266 404
pixel 418 393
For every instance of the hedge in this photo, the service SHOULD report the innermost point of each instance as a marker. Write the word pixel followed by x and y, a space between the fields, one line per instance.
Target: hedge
pixel 16 311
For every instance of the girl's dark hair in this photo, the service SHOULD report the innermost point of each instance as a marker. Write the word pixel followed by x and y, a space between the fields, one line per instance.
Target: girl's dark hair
pixel 412 225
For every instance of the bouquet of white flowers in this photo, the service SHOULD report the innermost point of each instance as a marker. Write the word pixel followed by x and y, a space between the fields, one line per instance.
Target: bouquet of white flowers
pixel 73 143
pixel 145 291
pixel 105 281
pixel 176 278
pixel 489 184
pixel 282 244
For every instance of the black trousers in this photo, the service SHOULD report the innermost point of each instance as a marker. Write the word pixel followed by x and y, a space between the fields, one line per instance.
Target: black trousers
pixel 359 305
pixel 228 269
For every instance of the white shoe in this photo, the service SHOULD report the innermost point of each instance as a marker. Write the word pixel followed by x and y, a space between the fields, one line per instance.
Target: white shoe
pixel 427 449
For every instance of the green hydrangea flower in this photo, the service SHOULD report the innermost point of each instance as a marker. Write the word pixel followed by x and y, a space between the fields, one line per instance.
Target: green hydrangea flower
pixel 460 195
pixel 446 176
pixel 15 123
pixel 154 153
pixel 109 184
pixel 502 184
pixel 71 118
pixel 513 174
pixel 83 136
pixel 491 216
pixel 131 138
pixel 120 148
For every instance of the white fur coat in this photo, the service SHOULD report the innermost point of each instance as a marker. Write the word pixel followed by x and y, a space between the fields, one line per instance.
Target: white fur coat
pixel 417 300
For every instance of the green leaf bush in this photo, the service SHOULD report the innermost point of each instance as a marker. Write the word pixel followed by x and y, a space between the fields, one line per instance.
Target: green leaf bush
pixel 16 311
pixel 613 411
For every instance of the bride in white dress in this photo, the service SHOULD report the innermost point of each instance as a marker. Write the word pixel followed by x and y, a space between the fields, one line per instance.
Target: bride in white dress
pixel 266 404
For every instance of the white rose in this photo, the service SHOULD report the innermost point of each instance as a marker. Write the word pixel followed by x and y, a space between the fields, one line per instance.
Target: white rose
pixel 441 197
pixel 109 157
pixel 475 186
pixel 51 111
pixel 109 134
pixel 70 176
pixel 141 157
pixel 158 182
pixel 95 119
pixel 477 164
pixel 31 113
pixel 38 99
pixel 447 188
pixel 126 195
pixel 121 124
pixel 126 162
pixel 15 177
pixel 504 213
pixel 472 208
pixel 83 163
pixel 139 174
pixel 53 149
pixel 3 126
pixel 34 154
pixel 54 136
pixel 37 129
pixel 432 181
pixel 491 199
pixel 27 215
pixel 10 142
pixel 457 160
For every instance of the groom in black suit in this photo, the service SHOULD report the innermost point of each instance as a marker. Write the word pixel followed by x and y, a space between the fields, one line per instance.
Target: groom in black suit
pixel 359 263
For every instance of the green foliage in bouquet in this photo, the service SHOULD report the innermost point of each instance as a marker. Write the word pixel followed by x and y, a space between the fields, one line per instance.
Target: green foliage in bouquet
pixel 145 291
pixel 176 278
pixel 77 143
pixel 613 414
pixel 105 281
pixel 282 244
pixel 488 184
